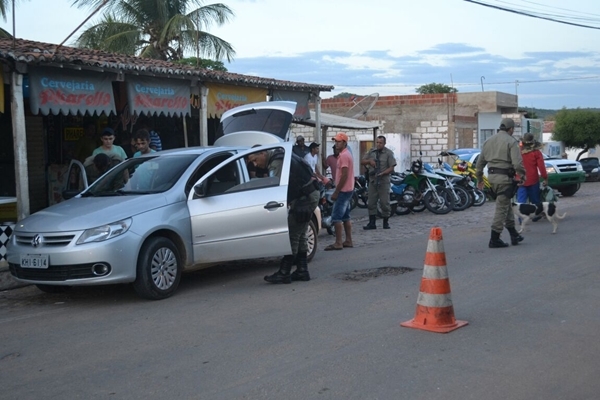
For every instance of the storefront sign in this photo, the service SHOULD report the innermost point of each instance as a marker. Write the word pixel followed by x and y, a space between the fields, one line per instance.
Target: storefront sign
pixel 301 98
pixel 158 96
pixel 222 98
pixel 70 91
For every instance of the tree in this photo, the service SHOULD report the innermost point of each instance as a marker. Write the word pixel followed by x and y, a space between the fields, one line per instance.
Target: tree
pixel 344 95
pixel 577 129
pixel 204 64
pixel 431 88
pixel 160 29
pixel 4 5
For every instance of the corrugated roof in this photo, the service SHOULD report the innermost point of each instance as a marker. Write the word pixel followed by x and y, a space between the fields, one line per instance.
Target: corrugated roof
pixel 337 121
pixel 39 53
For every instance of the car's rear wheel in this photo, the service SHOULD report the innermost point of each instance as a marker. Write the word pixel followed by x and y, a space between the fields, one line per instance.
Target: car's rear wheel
pixel 53 288
pixel 158 269
pixel 312 238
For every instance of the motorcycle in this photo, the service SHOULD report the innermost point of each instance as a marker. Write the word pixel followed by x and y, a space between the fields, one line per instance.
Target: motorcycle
pixel 467 169
pixel 415 187
pixel 361 191
pixel 462 199
pixel 478 197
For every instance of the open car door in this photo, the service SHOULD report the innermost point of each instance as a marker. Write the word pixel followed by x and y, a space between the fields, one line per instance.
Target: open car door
pixel 235 216
pixel 76 180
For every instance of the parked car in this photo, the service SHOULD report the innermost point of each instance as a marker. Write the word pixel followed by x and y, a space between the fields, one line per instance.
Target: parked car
pixel 565 176
pixel 149 219
pixel 591 166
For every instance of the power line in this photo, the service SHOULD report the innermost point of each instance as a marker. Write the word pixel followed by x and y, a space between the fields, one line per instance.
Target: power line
pixel 528 14
pixel 474 84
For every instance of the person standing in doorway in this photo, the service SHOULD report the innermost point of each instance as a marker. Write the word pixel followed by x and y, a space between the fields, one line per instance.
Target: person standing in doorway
pixel 155 141
pixel 108 137
pixel 300 148
pixel 342 195
pixel 142 143
pixel 502 155
pixel 380 163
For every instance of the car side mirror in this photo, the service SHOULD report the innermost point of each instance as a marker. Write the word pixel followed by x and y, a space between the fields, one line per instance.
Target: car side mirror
pixel 201 189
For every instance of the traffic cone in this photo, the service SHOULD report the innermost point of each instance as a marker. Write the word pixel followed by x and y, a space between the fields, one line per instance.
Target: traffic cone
pixel 435 311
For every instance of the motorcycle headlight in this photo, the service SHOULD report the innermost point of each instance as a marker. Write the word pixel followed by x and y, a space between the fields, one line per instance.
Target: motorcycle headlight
pixel 105 232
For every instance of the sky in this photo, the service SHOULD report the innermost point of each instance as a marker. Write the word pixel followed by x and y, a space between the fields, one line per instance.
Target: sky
pixel 391 47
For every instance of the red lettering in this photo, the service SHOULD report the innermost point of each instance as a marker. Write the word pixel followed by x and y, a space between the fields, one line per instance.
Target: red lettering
pixel 160 103
pixel 52 97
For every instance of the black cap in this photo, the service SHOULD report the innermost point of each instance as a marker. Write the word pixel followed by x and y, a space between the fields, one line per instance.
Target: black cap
pixel 313 145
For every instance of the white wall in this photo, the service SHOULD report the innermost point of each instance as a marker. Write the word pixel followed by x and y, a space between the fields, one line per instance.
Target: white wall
pixel 487 121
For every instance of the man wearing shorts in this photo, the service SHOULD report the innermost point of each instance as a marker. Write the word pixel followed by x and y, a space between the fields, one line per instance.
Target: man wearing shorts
pixel 344 188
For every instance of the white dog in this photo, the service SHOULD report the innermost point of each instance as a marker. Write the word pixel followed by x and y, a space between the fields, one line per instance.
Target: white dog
pixel 528 211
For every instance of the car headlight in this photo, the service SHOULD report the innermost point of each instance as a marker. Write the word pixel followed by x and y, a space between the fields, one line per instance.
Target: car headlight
pixel 595 170
pixel 550 169
pixel 105 232
pixel 579 167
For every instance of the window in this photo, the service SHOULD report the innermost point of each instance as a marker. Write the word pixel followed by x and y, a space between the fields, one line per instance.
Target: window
pixel 485 135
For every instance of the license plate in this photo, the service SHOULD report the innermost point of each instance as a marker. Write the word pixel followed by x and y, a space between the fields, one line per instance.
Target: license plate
pixel 34 261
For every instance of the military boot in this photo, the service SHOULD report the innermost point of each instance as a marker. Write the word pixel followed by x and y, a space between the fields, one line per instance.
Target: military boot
pixel 283 275
pixel 371 224
pixel 386 224
pixel 496 242
pixel 515 238
pixel 301 272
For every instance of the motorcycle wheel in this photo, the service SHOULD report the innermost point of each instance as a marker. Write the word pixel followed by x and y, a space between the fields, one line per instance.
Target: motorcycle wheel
pixel 463 201
pixel 443 203
pixel 362 200
pixel 353 201
pixel 481 198
pixel 419 207
pixel 402 210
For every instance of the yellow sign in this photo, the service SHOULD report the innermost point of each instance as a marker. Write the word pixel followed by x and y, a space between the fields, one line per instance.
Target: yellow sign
pixel 222 97
pixel 72 134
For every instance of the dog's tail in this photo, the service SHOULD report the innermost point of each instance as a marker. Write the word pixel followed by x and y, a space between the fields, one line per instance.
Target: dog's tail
pixel 561 216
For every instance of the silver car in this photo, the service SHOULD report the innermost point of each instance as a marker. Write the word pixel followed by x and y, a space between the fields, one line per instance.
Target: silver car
pixel 151 218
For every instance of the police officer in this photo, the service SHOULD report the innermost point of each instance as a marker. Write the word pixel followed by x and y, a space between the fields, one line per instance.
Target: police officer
pixel 380 163
pixel 502 155
pixel 302 198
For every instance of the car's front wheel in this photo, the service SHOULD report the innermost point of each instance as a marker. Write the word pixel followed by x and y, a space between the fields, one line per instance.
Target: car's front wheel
pixel 312 238
pixel 158 269
pixel 570 190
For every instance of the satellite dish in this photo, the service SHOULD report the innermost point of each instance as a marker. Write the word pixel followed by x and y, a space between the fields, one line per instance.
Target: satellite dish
pixel 362 107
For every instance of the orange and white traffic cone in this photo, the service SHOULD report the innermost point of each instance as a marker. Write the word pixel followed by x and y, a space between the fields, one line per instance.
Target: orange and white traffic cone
pixel 435 311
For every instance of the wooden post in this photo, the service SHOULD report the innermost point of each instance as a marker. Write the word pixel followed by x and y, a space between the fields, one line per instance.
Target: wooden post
pixel 20 145
pixel 203 123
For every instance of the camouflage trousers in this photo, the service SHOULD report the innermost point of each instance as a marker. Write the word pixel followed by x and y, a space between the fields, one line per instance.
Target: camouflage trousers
pixel 504 216
pixel 297 230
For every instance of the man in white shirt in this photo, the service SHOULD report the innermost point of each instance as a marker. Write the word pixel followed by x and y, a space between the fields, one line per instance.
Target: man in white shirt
pixel 312 157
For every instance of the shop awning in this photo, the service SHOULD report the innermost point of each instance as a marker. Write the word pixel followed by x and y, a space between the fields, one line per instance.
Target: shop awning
pixel 158 96
pixel 222 98
pixel 62 91
pixel 301 99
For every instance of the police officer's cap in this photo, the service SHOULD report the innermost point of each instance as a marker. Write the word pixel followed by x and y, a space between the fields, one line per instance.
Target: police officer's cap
pixel 507 123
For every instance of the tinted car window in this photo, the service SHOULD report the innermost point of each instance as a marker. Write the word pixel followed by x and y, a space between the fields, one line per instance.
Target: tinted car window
pixel 267 120
pixel 142 175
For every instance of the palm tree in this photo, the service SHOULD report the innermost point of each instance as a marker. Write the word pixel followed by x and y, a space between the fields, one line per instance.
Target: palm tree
pixel 4 6
pixel 160 29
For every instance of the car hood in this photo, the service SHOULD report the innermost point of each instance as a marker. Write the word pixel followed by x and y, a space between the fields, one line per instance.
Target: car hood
pixel 81 213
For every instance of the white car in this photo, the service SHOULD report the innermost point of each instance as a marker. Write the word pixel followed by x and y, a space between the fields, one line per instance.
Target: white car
pixel 151 218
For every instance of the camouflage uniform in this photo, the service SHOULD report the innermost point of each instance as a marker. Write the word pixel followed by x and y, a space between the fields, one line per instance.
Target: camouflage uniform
pixel 379 186
pixel 501 151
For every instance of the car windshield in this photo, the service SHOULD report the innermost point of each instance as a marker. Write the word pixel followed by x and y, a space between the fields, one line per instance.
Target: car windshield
pixel 142 175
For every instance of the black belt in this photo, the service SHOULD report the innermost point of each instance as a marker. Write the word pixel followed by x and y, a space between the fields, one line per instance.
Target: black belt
pixel 500 171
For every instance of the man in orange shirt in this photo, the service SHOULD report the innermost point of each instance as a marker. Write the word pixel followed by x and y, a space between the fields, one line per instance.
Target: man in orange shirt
pixel 344 188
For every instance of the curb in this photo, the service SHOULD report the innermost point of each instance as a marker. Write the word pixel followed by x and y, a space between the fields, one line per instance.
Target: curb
pixel 7 281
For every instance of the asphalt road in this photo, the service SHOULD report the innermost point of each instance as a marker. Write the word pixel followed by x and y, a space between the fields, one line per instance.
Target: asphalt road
pixel 532 311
